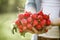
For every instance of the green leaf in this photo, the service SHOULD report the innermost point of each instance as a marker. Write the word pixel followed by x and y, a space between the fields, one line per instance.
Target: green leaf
pixel 14 29
pixel 23 34
pixel 43 30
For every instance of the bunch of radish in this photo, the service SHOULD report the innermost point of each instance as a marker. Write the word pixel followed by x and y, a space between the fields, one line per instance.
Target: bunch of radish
pixel 35 23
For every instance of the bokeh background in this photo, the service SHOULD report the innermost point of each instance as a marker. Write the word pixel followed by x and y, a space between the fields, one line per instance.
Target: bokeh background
pixel 8 13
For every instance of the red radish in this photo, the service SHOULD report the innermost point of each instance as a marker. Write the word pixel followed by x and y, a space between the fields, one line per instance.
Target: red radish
pixel 17 22
pixel 43 23
pixel 29 26
pixel 35 22
pixel 46 30
pixel 34 16
pixel 46 16
pixel 20 16
pixel 20 27
pixel 24 28
pixel 48 22
pixel 40 13
pixel 27 14
pixel 40 17
pixel 38 26
pixel 20 30
pixel 24 21
pixel 29 19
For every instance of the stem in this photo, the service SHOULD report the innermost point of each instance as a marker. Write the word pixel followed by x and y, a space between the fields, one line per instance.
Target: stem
pixel 35 30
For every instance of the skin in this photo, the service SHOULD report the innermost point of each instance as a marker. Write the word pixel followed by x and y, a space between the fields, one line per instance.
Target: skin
pixel 55 22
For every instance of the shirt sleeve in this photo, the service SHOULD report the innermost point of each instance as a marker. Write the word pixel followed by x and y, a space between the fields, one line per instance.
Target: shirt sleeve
pixel 34 37
pixel 30 6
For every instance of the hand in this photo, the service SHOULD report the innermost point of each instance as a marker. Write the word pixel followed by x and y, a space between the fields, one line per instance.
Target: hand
pixel 56 22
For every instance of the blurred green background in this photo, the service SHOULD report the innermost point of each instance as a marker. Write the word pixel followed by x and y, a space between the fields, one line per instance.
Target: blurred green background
pixel 8 13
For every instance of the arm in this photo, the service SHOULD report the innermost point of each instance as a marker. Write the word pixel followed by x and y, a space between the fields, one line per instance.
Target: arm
pixel 30 6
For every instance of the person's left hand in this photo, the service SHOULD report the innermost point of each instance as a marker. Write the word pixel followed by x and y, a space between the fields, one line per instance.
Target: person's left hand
pixel 56 22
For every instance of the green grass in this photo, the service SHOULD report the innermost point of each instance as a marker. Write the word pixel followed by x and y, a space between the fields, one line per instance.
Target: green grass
pixel 6 26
